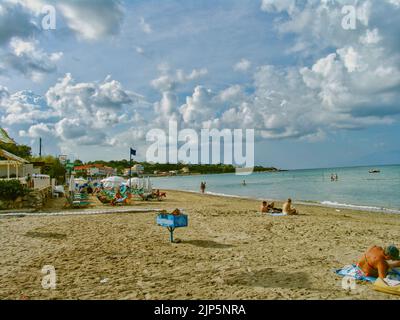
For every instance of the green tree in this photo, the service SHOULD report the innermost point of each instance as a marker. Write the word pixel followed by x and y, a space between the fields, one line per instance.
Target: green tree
pixel 19 150
pixel 53 167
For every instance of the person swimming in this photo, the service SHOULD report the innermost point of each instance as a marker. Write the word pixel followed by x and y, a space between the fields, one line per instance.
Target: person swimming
pixel 374 263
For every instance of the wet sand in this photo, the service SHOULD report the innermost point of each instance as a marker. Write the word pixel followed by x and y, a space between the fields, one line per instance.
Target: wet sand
pixel 229 251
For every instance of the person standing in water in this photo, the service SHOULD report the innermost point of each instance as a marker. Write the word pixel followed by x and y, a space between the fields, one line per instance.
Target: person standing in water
pixel 203 187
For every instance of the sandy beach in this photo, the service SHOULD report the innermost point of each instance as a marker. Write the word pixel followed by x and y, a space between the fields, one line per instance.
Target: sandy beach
pixel 229 251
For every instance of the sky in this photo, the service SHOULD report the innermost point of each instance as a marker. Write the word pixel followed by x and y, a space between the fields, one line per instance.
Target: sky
pixel 317 92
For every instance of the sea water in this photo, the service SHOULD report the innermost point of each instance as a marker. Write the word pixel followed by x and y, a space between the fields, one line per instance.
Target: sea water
pixel 356 187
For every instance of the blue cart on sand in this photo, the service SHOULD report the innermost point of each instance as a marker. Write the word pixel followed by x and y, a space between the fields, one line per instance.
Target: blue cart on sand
pixel 171 222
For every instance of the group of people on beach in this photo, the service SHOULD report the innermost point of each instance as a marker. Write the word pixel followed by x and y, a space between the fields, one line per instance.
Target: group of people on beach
pixel 376 262
pixel 286 208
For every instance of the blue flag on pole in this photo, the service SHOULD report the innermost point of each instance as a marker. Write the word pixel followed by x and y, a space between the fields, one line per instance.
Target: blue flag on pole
pixel 133 152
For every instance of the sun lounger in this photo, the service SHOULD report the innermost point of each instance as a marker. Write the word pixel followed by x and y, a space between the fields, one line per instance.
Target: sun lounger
pixel 77 203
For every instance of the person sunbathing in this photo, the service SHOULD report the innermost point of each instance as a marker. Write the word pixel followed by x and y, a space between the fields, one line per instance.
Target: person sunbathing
pixel 118 198
pixel 159 195
pixel 265 207
pixel 374 263
pixel 287 208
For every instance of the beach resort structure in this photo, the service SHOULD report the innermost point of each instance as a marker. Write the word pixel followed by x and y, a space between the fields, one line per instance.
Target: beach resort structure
pixel 14 167
pixel 95 170
pixel 17 168
pixel 137 169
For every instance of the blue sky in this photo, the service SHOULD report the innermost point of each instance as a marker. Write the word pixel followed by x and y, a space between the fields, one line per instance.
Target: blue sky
pixel 316 94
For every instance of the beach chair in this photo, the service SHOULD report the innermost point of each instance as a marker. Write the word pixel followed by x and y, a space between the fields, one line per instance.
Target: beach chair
pixel 80 196
pixel 77 203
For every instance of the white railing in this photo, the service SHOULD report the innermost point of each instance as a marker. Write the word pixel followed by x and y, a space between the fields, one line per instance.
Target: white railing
pixel 41 182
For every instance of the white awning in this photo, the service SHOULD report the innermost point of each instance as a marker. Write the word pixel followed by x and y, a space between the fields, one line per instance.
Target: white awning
pixel 10 156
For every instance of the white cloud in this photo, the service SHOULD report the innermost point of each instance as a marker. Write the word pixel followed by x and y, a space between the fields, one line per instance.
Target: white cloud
pixel 72 114
pixel 140 50
pixel 371 37
pixel 24 107
pixel 231 94
pixel 144 26
pixel 26 58
pixel 89 20
pixel 168 81
pixel 243 65
pixel 15 21
pixel 199 107
pixel 278 6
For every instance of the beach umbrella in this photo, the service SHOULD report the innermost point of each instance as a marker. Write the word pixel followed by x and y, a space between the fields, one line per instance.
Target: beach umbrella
pixel 71 184
pixel 113 182
pixel 80 181
pixel 133 183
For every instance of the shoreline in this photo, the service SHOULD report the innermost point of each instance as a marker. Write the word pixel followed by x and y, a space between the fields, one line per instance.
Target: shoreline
pixel 324 204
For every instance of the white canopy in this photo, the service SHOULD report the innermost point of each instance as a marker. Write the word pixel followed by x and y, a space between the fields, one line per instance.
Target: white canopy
pixel 71 184
pixel 113 182
pixel 149 186
pixel 13 157
pixel 80 181
pixel 134 183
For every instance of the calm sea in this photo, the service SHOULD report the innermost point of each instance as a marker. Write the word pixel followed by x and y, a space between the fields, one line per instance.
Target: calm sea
pixel 356 188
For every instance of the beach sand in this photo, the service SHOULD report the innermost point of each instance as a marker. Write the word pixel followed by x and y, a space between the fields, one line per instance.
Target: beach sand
pixel 229 251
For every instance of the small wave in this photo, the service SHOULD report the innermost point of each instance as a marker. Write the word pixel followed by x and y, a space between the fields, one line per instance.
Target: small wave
pixel 224 195
pixel 353 206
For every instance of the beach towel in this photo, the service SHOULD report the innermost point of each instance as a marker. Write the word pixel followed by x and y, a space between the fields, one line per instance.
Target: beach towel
pixel 277 214
pixel 356 273
pixel 387 286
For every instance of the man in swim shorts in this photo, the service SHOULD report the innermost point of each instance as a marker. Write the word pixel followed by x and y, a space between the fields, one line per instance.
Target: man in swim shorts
pixel 287 208
pixel 374 263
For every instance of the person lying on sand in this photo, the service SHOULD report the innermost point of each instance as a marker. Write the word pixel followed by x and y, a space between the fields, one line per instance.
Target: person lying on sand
pixel 287 208
pixel 265 207
pixel 118 198
pixel 269 207
pixel 374 263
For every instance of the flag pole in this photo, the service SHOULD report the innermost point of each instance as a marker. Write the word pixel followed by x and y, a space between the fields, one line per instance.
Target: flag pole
pixel 130 169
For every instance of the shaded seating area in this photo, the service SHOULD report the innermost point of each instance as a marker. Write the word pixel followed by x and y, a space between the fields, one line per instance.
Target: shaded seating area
pixel 114 198
pixel 13 167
